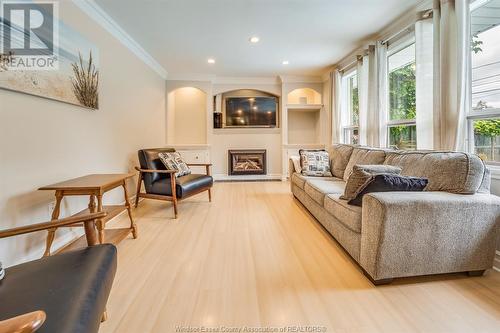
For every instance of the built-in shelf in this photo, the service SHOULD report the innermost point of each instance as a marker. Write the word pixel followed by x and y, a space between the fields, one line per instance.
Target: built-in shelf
pixel 305 107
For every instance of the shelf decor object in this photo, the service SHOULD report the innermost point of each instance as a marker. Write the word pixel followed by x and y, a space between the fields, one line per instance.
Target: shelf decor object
pixel 217 119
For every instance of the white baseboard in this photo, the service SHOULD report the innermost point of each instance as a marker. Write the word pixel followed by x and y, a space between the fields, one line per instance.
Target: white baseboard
pixel 496 263
pixel 247 177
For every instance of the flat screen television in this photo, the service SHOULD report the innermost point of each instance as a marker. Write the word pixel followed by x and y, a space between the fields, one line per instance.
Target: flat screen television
pixel 251 111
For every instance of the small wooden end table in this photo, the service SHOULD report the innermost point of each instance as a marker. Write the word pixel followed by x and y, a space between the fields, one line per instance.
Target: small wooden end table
pixel 94 185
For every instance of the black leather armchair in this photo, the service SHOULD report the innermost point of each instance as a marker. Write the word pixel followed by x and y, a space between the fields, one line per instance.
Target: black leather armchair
pixel 58 294
pixel 161 184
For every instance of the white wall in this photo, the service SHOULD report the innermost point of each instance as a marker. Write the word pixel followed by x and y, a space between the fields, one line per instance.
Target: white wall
pixel 44 141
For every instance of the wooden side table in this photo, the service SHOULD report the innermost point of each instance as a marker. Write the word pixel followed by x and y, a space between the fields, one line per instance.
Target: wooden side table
pixel 94 186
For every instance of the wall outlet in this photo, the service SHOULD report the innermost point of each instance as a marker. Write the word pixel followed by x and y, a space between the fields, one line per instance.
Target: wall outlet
pixel 51 207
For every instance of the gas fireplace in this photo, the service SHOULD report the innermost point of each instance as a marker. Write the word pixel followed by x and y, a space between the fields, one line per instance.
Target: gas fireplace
pixel 247 162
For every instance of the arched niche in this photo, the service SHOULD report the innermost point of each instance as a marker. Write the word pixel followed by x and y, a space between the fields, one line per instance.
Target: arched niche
pixel 187 116
pixel 304 96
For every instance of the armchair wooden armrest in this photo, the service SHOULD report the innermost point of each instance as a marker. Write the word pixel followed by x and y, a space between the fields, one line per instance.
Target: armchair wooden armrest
pixel 155 171
pixel 26 323
pixel 51 225
pixel 206 165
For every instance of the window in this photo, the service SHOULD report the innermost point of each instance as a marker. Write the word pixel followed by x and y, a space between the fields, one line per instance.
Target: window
pixel 401 124
pixel 484 118
pixel 350 114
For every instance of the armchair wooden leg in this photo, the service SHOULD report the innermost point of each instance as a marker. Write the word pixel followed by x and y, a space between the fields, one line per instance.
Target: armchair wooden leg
pixel 174 202
pixel 174 194
pixel 209 195
pixel 104 316
pixel 139 183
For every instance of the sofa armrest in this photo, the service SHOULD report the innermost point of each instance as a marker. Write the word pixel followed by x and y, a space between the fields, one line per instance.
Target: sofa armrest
pixel 292 161
pixel 421 233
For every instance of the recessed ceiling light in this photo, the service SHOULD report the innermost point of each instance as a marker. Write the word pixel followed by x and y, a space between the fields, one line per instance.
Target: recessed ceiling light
pixel 211 61
pixel 254 39
pixel 285 62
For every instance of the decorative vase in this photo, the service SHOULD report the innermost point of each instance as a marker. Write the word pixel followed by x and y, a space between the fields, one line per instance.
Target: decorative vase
pixel 217 119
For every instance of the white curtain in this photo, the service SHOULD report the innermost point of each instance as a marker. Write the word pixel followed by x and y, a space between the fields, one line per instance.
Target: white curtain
pixel 373 128
pixel 452 18
pixel 363 88
pixel 336 78
pixel 381 50
pixel 424 82
pixel 368 98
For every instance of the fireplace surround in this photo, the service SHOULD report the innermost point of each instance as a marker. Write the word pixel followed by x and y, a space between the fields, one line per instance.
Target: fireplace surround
pixel 247 162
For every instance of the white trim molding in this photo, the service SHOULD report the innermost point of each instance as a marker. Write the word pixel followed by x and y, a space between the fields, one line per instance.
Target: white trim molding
pixel 300 79
pixel 92 9
pixel 496 262
pixel 225 177
pixel 271 80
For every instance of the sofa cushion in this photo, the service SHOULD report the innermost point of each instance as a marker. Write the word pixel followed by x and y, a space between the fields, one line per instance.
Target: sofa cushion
pixel 318 188
pixel 300 180
pixel 453 172
pixel 339 157
pixel 185 185
pixel 349 215
pixel 72 288
pixel 363 173
pixel 364 155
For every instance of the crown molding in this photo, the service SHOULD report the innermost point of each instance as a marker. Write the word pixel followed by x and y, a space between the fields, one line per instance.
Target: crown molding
pixel 192 77
pixel 246 80
pixel 300 79
pixel 93 10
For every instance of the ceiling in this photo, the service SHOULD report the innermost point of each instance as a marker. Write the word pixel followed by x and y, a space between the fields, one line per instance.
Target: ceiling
pixel 311 34
pixel 485 17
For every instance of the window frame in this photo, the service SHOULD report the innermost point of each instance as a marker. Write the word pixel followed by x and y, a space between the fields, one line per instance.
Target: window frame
pixel 346 116
pixel 393 48
pixel 473 115
pixel 493 113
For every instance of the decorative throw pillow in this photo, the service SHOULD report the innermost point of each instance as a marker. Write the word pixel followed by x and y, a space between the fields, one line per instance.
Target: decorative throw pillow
pixel 173 161
pixel 389 183
pixel 315 163
pixel 363 173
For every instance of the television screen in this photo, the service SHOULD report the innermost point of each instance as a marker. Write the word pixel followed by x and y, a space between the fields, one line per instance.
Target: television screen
pixel 251 111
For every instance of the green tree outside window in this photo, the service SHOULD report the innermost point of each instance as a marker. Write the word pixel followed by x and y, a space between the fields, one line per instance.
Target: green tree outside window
pixel 403 106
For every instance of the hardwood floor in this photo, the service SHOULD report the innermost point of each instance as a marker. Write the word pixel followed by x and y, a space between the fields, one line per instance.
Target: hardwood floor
pixel 255 257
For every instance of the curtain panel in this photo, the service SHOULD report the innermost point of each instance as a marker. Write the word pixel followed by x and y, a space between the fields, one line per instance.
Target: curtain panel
pixel 363 87
pixel 369 123
pixel 424 82
pixel 336 78
pixel 381 50
pixel 453 69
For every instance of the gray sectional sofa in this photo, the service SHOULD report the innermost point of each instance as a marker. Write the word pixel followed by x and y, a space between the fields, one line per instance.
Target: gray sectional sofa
pixel 450 227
